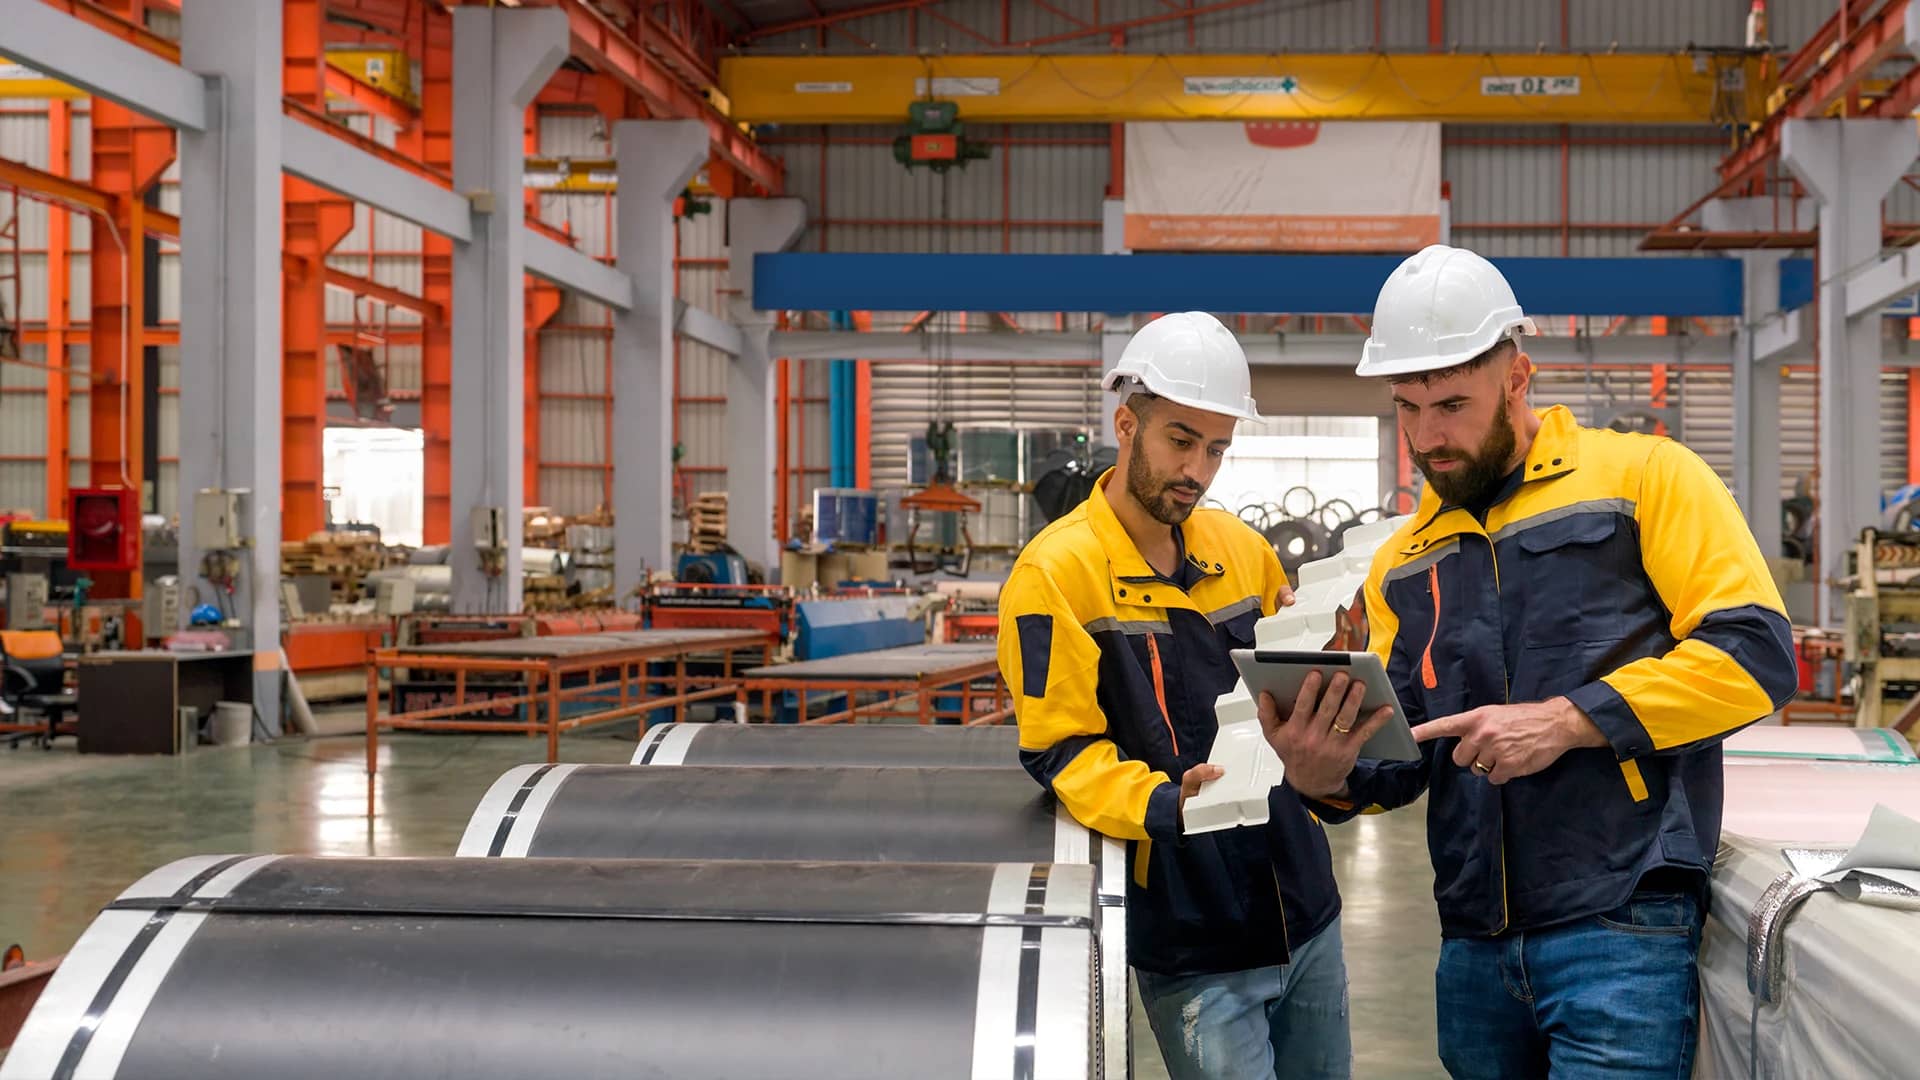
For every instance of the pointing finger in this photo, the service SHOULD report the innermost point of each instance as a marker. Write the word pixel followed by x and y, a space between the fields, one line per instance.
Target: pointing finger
pixel 1458 724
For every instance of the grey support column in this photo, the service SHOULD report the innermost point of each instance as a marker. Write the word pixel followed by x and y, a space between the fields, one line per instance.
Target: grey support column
pixel 1118 328
pixel 657 158
pixel 755 226
pixel 1849 166
pixel 230 312
pixel 501 59
pixel 1763 346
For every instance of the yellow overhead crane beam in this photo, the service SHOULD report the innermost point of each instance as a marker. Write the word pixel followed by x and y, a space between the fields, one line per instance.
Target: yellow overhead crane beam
pixel 1506 88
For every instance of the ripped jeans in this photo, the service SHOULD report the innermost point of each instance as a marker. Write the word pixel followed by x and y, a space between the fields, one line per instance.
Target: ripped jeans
pixel 1266 1022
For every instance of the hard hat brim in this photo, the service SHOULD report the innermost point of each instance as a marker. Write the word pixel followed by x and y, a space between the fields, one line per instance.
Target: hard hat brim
pixel 1112 380
pixel 1414 365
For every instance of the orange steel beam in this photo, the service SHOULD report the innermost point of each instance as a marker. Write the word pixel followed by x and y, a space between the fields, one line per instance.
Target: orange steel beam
pixel 59 403
pixel 391 19
pixel 597 92
pixel 431 141
pixel 130 152
pixel 543 303
pixel 609 50
pixel 53 187
pixel 1913 425
pixel 314 222
pixel 386 294
pixel 1877 38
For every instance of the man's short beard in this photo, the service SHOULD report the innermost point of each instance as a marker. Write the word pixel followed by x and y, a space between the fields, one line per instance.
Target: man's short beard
pixel 1153 492
pixel 1479 476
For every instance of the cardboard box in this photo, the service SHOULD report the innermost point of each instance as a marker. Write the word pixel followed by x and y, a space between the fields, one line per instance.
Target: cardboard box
pixel 842 566
pixel 799 569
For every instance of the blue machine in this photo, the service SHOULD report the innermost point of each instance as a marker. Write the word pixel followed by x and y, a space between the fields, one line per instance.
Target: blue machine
pixel 824 628
pixel 712 568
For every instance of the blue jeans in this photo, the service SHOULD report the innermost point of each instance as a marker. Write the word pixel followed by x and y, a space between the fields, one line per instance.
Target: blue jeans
pixel 1614 995
pixel 1261 1023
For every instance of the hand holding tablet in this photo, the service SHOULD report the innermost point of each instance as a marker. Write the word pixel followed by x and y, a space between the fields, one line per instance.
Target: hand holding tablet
pixel 1334 707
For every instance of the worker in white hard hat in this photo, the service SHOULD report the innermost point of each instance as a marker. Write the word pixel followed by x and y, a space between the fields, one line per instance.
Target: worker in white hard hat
pixel 1573 620
pixel 1115 628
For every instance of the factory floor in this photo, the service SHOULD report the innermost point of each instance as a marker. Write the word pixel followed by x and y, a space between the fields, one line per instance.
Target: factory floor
pixel 76 830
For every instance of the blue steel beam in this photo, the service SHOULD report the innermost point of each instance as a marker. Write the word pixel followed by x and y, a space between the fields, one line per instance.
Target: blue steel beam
pixel 1295 284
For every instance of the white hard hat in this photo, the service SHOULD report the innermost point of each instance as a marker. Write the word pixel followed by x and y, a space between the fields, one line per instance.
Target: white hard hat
pixel 1442 306
pixel 1190 359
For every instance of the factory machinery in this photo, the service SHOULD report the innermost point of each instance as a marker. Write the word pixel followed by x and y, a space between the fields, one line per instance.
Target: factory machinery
pixel 1882 640
pixel 906 905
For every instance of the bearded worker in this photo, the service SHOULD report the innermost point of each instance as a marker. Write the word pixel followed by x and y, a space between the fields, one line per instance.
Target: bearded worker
pixel 1115 627
pixel 1573 619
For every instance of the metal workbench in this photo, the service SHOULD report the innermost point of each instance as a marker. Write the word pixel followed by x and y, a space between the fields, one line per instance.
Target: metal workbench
pixel 931 683
pixel 619 669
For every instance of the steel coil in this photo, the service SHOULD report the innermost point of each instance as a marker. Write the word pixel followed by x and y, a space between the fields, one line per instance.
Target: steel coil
pixel 243 967
pixel 851 814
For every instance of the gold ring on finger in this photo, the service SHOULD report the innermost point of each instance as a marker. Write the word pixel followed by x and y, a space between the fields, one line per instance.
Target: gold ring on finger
pixel 1482 768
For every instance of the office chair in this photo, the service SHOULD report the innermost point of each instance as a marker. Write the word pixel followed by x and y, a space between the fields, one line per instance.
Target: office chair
pixel 33 680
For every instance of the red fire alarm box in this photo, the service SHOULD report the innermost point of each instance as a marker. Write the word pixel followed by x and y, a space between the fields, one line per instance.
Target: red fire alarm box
pixel 103 529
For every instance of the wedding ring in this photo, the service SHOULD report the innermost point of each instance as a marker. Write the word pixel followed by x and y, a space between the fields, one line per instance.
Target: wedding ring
pixel 1482 769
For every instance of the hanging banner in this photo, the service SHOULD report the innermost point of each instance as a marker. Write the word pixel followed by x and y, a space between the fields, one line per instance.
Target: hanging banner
pixel 1282 186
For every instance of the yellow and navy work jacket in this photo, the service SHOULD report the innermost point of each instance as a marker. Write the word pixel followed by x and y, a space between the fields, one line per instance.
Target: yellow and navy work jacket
pixel 1114 670
pixel 1614 570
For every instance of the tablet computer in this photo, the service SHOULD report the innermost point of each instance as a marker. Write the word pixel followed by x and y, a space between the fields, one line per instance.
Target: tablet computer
pixel 1280 673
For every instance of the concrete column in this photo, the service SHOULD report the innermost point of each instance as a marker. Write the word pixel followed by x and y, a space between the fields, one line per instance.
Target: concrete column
pixel 657 158
pixel 501 59
pixel 1118 328
pixel 230 313
pixel 755 226
pixel 1756 377
pixel 1849 166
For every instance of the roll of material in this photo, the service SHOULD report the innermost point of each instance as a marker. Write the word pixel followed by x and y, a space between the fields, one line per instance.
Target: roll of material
pixel 988 746
pixel 219 967
pixel 845 814
pixel 807 813
pixel 542 561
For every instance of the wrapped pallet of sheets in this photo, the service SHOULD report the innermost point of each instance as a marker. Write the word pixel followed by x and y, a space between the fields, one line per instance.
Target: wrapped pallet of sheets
pixel 219 967
pixel 1797 981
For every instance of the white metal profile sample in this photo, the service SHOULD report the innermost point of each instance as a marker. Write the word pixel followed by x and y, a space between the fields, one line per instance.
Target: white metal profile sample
pixel 1327 586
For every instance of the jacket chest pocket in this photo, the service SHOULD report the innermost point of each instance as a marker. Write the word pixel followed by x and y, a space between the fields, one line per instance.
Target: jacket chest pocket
pixel 1237 632
pixel 1576 580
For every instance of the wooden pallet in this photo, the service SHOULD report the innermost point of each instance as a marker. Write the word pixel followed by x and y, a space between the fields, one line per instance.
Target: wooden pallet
pixel 707 523
pixel 344 558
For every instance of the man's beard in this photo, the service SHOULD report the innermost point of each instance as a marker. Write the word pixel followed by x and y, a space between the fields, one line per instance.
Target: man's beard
pixel 1481 473
pixel 1153 492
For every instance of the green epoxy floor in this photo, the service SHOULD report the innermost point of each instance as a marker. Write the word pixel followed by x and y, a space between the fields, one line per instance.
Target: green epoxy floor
pixel 75 831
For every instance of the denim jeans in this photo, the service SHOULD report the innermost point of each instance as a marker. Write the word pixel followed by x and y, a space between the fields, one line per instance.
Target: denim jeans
pixel 1261 1023
pixel 1614 995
